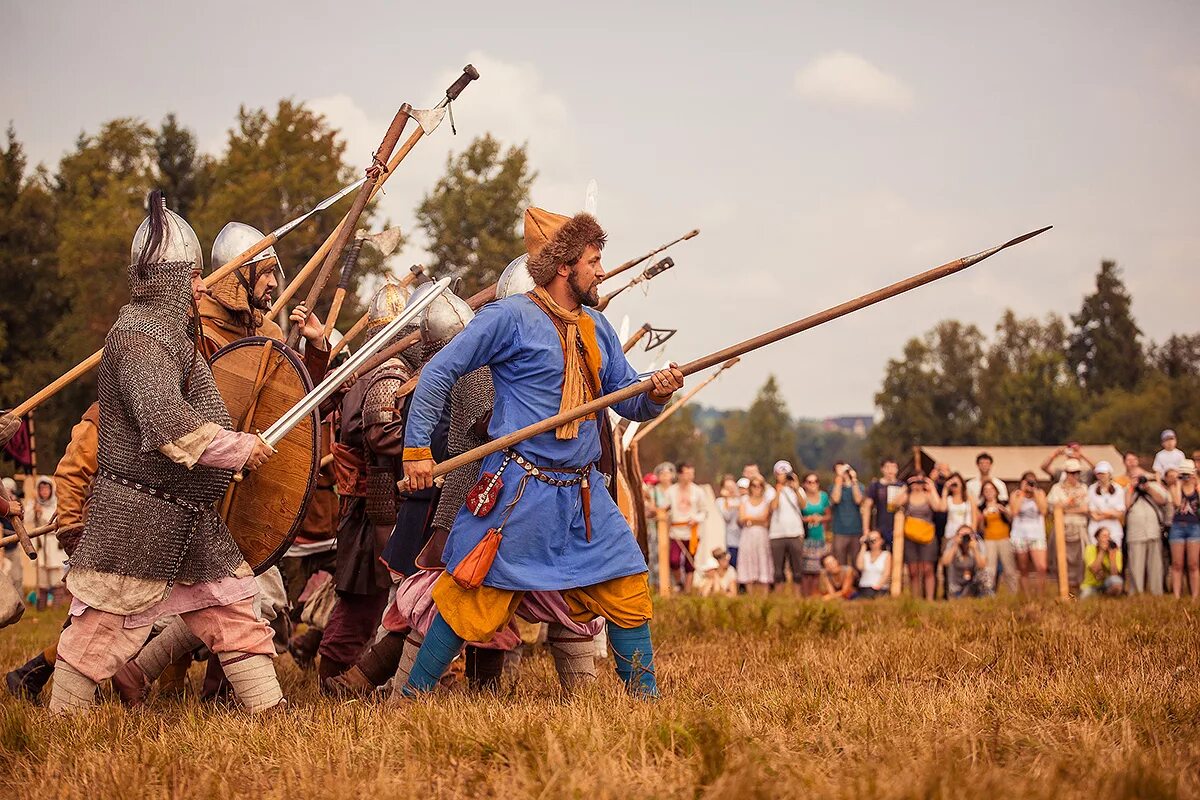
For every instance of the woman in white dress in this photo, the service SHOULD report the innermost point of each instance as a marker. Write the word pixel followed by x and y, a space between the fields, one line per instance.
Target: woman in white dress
pixel 756 568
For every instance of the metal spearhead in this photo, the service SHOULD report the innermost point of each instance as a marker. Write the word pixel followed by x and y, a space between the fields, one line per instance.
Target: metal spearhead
pixel 288 227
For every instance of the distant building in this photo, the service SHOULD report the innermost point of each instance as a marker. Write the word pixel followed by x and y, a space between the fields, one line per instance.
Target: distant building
pixel 858 425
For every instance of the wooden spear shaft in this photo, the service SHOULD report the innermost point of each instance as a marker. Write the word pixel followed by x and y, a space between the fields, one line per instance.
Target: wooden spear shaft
pixel 733 351
pixel 92 361
pixel 346 228
pixel 633 262
pixel 680 403
pixel 452 93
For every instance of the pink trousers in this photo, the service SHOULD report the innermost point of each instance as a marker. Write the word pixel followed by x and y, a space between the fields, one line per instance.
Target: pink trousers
pixel 98 644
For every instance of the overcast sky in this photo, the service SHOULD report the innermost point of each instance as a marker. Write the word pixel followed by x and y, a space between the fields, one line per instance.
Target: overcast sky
pixel 824 150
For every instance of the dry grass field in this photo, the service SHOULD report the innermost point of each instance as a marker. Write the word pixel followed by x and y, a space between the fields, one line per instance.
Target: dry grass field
pixel 762 698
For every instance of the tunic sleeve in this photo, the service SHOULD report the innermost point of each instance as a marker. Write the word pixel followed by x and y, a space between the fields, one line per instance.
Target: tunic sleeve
pixel 152 394
pixel 617 373
pixel 491 337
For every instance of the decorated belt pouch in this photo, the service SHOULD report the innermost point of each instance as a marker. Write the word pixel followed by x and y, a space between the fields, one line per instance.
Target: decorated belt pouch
pixel 482 497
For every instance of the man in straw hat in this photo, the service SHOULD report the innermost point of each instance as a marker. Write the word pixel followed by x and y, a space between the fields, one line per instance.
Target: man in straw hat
pixel 541 504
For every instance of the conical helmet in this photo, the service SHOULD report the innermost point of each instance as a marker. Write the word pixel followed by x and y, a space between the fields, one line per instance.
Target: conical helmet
pixel 234 239
pixel 515 279
pixel 387 303
pixel 179 241
pixel 444 318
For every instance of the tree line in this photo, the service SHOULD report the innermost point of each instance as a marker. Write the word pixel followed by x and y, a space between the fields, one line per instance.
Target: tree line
pixel 65 232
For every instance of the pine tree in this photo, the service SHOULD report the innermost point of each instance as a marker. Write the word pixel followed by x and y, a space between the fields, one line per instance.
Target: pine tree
pixel 762 435
pixel 1105 349
pixel 183 174
pixel 472 216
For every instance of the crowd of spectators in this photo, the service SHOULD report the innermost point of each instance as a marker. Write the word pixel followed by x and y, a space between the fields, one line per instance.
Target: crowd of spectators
pixel 963 536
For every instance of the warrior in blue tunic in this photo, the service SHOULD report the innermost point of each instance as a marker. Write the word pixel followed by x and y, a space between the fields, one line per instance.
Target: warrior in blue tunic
pixel 544 499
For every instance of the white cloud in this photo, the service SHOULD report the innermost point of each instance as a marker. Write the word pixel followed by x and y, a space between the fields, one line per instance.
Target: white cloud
pixel 510 101
pixel 846 79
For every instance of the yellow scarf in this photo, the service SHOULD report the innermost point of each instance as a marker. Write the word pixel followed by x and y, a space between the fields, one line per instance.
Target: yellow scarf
pixel 581 378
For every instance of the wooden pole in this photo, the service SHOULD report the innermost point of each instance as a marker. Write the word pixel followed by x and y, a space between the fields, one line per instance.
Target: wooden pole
pixel 1060 553
pixel 452 93
pixel 664 553
pixel 633 262
pixel 354 331
pixel 346 228
pixel 678 404
pixel 733 351
pixel 897 553
pixel 637 336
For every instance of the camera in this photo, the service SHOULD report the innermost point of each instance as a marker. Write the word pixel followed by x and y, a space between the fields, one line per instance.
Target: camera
pixel 1142 480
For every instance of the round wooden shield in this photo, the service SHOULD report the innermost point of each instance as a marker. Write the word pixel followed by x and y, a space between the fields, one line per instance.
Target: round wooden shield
pixel 260 380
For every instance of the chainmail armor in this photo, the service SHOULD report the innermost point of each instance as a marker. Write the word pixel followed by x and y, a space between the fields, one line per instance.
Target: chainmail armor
pixel 470 401
pixel 147 399
pixel 381 406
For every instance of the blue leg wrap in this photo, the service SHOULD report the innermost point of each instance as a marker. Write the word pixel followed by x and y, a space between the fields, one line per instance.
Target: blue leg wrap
pixel 634 658
pixel 440 647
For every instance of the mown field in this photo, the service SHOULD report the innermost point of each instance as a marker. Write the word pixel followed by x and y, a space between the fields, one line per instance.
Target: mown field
pixel 762 699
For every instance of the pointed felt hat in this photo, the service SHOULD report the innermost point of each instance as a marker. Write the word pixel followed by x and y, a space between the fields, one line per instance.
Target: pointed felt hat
pixel 552 239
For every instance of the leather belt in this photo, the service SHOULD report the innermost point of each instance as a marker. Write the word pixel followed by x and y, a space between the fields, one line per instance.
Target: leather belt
pixel 545 475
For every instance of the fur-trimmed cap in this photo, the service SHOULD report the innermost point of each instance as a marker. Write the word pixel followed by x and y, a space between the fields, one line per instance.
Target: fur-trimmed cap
pixel 552 239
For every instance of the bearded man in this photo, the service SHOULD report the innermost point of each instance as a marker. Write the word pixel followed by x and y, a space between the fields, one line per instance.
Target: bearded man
pixel 236 306
pixel 154 544
pixel 543 499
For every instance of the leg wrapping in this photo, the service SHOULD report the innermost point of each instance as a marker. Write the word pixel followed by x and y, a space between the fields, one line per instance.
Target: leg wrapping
pixel 252 676
pixel 72 691
pixel 574 656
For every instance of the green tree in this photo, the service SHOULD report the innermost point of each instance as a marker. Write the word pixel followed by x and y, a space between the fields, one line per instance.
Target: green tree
pixel 1105 349
pixel 472 216
pixel 1027 392
pixel 183 173
pixel 1178 356
pixel 678 440
pixel 762 435
pixel 1133 418
pixel 32 302
pixel 930 394
pixel 274 168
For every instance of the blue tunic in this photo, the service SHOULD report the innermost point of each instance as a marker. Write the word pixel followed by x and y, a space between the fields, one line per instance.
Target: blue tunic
pixel 545 545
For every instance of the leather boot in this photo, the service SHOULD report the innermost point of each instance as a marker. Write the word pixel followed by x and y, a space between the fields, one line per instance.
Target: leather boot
pixel 327 669
pixel 27 681
pixel 483 668
pixel 351 683
pixel 132 685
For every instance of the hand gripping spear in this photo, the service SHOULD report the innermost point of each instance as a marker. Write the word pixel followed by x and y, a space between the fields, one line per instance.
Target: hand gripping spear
pixel 10 422
pixel 428 121
pixel 733 351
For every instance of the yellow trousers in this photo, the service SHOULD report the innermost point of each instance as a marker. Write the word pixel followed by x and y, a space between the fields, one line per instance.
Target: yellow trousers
pixel 478 614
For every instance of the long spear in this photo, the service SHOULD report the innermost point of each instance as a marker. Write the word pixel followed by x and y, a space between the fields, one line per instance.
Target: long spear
pixel 428 121
pixel 345 228
pixel 733 351
pixel 10 421
pixel 681 402
pixel 633 262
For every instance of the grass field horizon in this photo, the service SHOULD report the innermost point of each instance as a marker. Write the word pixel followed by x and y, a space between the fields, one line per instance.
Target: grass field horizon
pixel 770 697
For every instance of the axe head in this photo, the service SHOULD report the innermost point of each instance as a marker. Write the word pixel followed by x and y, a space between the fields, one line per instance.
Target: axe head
pixel 385 241
pixel 428 118
pixel 658 337
pixel 659 268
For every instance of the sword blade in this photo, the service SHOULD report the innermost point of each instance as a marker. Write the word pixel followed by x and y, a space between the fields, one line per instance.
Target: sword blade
pixel 291 418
